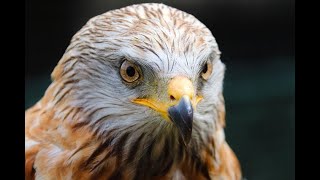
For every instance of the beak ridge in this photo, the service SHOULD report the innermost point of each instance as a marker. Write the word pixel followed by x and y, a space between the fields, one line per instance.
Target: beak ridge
pixel 182 116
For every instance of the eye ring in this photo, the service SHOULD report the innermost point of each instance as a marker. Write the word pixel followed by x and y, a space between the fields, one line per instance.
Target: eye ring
pixel 206 70
pixel 130 72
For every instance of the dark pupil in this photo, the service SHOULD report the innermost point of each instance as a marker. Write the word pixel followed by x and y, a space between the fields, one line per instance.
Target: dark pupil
pixel 205 68
pixel 130 71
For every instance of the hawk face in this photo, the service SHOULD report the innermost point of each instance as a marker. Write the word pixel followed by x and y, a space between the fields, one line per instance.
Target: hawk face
pixel 142 84
pixel 144 65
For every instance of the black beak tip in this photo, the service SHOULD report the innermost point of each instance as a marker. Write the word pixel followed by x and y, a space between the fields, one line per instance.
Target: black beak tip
pixel 182 116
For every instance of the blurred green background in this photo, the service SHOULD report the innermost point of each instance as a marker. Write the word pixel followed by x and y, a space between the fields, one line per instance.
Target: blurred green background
pixel 257 43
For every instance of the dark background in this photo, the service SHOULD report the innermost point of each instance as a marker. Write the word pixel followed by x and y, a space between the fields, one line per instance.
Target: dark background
pixel 256 38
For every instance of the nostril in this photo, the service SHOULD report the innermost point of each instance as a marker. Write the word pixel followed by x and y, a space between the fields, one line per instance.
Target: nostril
pixel 172 98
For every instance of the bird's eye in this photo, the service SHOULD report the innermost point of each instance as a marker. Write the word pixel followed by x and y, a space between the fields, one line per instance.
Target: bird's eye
pixel 206 70
pixel 129 71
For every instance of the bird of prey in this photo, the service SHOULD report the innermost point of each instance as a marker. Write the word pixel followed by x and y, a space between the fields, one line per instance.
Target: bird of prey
pixel 138 94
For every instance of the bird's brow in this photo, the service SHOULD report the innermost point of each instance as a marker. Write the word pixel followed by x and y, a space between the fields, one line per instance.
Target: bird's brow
pixel 152 67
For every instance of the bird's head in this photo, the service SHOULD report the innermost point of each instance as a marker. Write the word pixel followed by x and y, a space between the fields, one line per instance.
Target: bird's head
pixel 143 68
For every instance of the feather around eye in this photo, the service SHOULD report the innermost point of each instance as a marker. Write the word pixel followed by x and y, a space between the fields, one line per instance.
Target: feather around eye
pixel 206 70
pixel 130 72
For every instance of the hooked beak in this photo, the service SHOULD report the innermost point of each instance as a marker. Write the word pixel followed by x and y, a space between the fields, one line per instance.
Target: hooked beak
pixel 182 116
pixel 179 106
